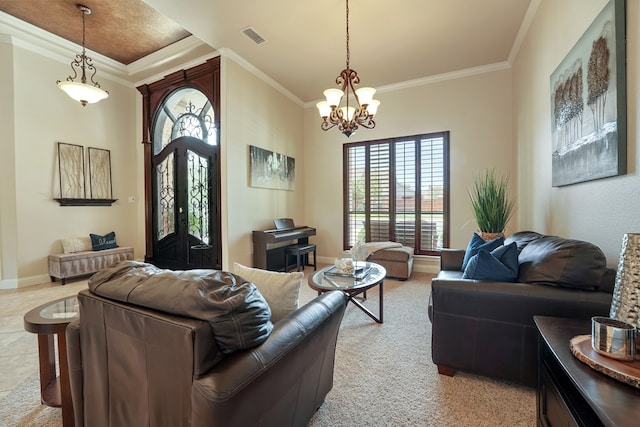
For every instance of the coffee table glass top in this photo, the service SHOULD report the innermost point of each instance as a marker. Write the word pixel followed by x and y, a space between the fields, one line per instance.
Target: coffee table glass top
pixel 372 274
pixel 63 309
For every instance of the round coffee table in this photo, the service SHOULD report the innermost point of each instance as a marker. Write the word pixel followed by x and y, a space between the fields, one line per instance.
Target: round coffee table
pixel 368 275
pixel 48 320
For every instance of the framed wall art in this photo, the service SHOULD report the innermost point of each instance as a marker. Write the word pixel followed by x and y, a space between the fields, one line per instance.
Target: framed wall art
pixel 588 103
pixel 71 171
pixel 271 170
pixel 100 173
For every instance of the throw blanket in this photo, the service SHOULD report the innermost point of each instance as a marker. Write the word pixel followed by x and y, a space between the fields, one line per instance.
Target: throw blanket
pixel 361 251
pixel 238 314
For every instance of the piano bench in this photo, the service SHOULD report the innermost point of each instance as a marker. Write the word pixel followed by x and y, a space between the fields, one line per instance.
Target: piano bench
pixel 300 251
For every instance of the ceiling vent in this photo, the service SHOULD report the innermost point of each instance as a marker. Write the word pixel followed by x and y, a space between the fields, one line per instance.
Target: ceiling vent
pixel 251 33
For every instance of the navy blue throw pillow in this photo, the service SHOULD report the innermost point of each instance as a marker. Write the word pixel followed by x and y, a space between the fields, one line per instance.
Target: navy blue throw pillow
pixel 477 243
pixel 100 243
pixel 500 265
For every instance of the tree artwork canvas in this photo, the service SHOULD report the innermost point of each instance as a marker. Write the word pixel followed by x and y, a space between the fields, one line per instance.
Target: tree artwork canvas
pixel 71 171
pixel 100 173
pixel 588 103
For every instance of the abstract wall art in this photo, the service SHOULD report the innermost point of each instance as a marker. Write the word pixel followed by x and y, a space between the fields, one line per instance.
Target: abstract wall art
pixel 271 170
pixel 588 103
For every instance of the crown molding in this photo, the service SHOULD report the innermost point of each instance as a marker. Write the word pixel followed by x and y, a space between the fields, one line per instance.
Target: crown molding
pixel 48 45
pixel 167 54
pixel 29 37
pixel 498 66
pixel 524 28
pixel 228 53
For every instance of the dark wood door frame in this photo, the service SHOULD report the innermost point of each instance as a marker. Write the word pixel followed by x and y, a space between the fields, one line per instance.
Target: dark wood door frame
pixel 205 78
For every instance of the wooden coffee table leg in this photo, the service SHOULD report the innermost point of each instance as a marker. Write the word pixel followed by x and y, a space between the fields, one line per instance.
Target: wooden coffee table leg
pixel 47 361
pixel 65 386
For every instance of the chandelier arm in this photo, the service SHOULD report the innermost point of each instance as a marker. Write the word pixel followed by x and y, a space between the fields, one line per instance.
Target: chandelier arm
pixel 326 125
pixel 369 123
pixel 93 70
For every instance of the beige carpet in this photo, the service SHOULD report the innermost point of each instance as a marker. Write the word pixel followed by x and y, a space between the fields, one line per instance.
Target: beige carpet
pixel 383 376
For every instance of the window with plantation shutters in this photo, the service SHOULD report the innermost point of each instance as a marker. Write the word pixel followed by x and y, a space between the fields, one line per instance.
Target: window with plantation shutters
pixel 398 190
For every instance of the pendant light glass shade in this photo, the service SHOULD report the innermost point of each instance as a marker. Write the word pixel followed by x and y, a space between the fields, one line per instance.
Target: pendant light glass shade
pixel 82 92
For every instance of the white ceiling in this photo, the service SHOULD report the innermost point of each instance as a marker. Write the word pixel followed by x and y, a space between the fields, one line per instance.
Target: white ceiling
pixel 391 42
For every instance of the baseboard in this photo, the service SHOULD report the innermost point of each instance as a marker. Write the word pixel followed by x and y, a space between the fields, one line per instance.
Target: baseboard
pixel 25 282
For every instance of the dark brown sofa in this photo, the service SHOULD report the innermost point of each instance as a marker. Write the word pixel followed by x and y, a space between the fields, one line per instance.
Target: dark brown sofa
pixel 132 365
pixel 487 328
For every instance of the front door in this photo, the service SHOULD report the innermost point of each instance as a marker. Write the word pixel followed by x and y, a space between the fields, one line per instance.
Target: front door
pixel 184 191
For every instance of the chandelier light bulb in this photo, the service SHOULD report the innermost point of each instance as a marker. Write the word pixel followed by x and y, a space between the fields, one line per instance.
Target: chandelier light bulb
pixel 333 97
pixel 365 95
pixel 324 109
pixel 372 108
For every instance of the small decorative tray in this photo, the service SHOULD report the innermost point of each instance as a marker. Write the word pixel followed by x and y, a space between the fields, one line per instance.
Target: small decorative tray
pixel 626 372
pixel 359 273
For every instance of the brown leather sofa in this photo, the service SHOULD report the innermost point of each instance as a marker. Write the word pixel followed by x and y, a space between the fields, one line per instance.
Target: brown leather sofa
pixel 132 365
pixel 487 328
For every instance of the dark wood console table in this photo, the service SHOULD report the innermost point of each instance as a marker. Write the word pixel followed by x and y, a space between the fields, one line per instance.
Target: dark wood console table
pixel 570 393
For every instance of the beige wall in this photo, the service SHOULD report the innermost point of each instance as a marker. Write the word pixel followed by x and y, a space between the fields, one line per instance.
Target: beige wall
pixel 599 211
pixel 42 116
pixel 8 236
pixel 475 109
pixel 254 113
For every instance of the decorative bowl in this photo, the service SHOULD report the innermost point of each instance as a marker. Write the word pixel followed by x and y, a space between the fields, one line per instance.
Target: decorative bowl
pixel 613 338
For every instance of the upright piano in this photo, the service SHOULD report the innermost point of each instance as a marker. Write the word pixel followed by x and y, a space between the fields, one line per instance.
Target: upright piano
pixel 268 245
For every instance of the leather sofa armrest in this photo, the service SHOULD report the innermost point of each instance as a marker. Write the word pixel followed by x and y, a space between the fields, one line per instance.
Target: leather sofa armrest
pixel 451 259
pixel 301 349
pixel 74 359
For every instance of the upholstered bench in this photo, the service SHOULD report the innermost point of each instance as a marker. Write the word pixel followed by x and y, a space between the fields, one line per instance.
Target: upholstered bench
pixel 397 261
pixel 64 266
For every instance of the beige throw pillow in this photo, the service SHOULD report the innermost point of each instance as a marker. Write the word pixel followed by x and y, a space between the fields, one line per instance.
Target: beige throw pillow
pixel 281 290
pixel 76 244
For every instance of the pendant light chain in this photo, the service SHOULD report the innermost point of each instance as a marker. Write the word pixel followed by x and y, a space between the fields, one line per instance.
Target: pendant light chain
pixel 83 79
pixel 348 52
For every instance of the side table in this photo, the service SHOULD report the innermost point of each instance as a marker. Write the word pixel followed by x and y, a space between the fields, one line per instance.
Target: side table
pixel 570 393
pixel 48 320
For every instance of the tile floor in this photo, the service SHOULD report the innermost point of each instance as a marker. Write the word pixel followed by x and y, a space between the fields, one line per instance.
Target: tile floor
pixel 19 348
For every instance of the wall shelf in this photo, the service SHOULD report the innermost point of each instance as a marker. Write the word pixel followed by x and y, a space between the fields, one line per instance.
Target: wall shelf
pixel 85 202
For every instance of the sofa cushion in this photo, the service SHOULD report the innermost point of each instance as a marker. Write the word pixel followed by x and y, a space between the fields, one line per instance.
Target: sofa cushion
pixel 500 265
pixel 281 290
pixel 523 238
pixel 100 243
pixel 477 243
pixel 562 262
pixel 238 314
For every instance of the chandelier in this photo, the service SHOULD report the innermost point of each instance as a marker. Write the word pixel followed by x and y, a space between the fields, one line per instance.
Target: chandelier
pixel 353 114
pixel 81 91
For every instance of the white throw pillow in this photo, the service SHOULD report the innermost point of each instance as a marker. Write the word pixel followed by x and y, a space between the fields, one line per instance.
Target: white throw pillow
pixel 281 290
pixel 76 244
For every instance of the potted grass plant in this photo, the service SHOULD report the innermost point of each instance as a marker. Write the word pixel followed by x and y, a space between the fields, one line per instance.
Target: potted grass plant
pixel 492 206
